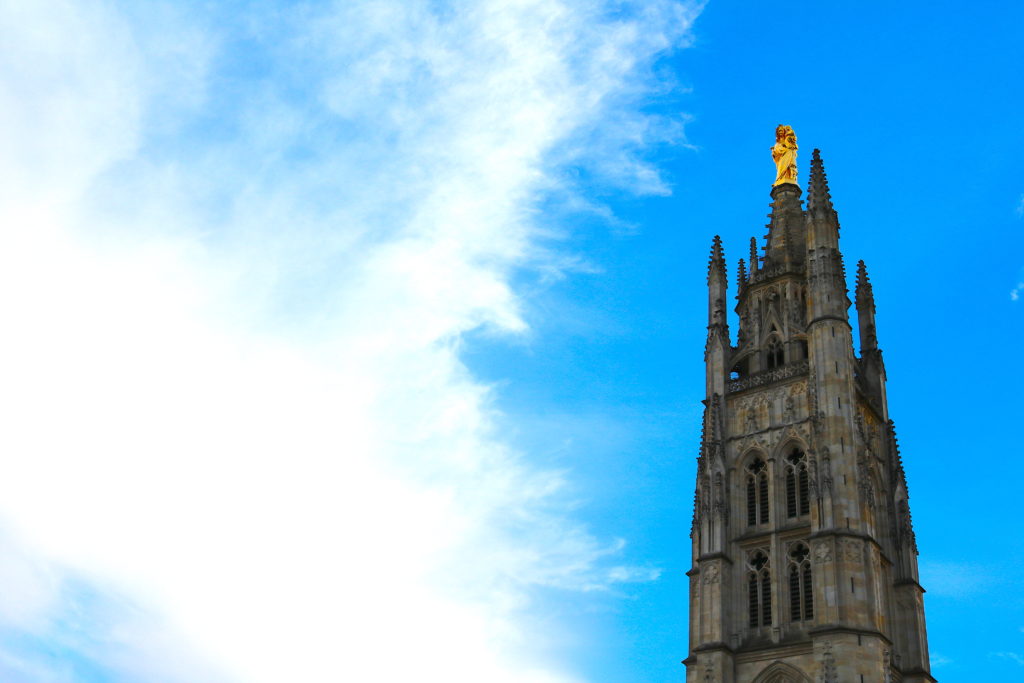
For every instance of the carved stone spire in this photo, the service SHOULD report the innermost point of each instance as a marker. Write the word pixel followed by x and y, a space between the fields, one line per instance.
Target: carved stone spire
pixel 717 347
pixel 741 274
pixel 818 197
pixel 716 262
pixel 865 298
pixel 716 287
pixel 753 255
pixel 865 294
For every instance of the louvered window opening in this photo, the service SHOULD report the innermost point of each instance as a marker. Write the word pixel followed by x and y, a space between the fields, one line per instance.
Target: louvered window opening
pixel 755 604
pixel 757 493
pixel 801 593
pixel 759 591
pixel 794 594
pixel 798 500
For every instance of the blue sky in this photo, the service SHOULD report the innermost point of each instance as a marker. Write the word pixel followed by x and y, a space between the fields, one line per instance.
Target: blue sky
pixel 363 340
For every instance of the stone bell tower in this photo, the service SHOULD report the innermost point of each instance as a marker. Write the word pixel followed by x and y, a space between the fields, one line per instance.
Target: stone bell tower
pixel 804 558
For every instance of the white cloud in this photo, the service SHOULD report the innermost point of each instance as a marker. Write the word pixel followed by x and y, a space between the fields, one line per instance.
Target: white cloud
pixel 954 579
pixel 232 391
pixel 1015 292
pixel 1012 656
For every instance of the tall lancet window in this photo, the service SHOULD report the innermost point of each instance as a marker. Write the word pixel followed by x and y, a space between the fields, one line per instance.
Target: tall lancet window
pixel 757 492
pixel 798 501
pixel 759 590
pixel 774 356
pixel 801 596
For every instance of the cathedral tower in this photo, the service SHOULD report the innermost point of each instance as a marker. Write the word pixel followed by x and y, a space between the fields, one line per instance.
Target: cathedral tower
pixel 804 558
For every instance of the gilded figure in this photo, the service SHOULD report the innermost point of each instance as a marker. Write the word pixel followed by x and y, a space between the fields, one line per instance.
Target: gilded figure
pixel 784 155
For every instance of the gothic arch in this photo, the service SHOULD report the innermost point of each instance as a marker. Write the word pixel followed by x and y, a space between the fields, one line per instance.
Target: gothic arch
pixel 750 452
pixel 792 439
pixel 773 322
pixel 793 478
pixel 774 349
pixel 780 672
pixel 754 487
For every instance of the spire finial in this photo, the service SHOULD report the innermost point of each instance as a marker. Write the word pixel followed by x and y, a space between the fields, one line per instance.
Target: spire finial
pixel 865 299
pixel 818 196
pixel 741 274
pixel 716 262
pixel 753 255
pixel 864 290
pixel 716 248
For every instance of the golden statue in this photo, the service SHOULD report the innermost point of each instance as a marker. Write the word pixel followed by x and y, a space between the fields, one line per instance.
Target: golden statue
pixel 784 155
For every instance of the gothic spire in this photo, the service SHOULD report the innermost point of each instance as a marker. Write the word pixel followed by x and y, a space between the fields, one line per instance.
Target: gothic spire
pixel 865 302
pixel 823 221
pixel 717 284
pixel 839 513
pixel 717 347
pixel 865 294
pixel 818 197
pixel 716 262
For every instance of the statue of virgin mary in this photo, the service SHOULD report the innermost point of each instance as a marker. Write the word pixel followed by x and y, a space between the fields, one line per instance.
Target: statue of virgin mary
pixel 784 155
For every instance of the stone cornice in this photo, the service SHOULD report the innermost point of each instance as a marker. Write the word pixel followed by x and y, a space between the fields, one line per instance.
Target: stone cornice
pixel 714 556
pixel 909 582
pixel 825 629
pixel 767 377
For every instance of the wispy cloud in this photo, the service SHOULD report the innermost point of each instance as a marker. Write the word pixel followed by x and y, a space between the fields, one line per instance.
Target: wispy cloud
pixel 239 253
pixel 1015 657
pixel 955 579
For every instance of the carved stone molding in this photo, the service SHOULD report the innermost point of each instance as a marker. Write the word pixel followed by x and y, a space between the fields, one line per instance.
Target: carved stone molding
pixel 789 409
pixel 773 272
pixel 864 485
pixel 822 552
pixel 765 377
pixel 850 550
pixel 828 665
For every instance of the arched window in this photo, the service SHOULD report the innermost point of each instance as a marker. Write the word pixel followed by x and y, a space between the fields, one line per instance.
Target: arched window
pixel 797 490
pixel 775 358
pixel 759 590
pixel 801 595
pixel 757 492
